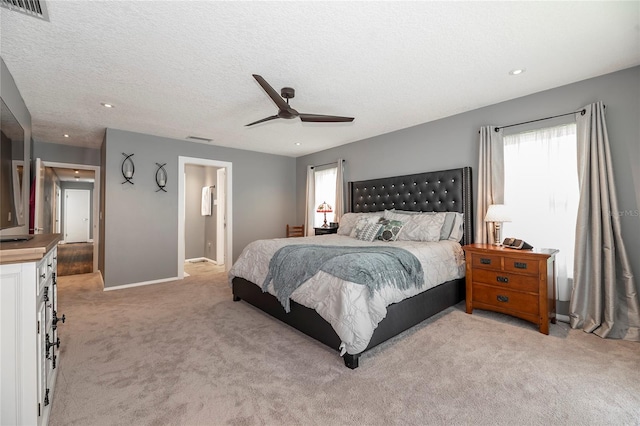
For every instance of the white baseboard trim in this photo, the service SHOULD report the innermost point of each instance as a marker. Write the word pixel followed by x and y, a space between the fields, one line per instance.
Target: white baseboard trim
pixel 121 287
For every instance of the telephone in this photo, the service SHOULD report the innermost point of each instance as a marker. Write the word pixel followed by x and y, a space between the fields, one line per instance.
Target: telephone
pixel 516 244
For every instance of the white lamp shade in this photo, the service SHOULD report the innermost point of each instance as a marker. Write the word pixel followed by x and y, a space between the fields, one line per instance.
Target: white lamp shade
pixel 498 213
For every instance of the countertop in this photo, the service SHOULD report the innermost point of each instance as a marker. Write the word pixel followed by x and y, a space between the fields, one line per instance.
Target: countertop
pixel 28 251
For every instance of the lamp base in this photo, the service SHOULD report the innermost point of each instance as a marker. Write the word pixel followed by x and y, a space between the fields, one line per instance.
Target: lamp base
pixel 497 234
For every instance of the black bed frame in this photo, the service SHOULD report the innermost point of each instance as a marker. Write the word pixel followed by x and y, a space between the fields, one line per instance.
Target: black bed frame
pixel 446 190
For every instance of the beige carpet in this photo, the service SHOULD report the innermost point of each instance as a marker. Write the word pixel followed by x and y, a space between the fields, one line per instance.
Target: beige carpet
pixel 183 353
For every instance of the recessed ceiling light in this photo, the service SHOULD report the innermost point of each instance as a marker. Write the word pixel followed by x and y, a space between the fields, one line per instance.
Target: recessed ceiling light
pixel 517 71
pixel 107 105
pixel 297 143
pixel 66 135
pixel 77 171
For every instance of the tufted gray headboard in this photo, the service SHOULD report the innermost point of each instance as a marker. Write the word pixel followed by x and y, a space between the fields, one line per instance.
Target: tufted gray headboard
pixel 441 191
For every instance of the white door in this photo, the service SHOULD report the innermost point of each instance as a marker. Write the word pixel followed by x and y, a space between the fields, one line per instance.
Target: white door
pixel 76 215
pixel 221 223
pixel 38 214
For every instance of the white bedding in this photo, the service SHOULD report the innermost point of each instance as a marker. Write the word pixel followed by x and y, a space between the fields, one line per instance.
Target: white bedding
pixel 352 312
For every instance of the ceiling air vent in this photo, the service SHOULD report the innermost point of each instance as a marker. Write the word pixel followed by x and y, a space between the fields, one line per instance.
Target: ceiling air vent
pixel 35 8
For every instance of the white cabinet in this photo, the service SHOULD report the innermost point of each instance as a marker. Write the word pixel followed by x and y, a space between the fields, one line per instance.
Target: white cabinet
pixel 28 336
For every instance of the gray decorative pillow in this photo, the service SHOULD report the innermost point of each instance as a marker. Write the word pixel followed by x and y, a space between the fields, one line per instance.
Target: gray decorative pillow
pixel 366 231
pixel 348 221
pixel 389 230
pixel 363 219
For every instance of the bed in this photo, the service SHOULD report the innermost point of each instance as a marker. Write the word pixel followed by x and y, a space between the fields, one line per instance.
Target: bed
pixel 439 191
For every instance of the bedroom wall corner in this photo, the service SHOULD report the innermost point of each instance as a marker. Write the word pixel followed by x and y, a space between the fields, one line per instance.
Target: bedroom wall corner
pixel 141 224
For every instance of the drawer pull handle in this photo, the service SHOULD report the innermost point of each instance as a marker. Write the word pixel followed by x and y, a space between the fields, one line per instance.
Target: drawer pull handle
pixel 485 261
pixel 502 298
pixel 502 279
pixel 520 265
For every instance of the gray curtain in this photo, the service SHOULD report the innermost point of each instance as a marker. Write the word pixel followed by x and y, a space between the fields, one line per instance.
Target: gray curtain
pixel 604 299
pixel 490 179
pixel 338 209
pixel 310 210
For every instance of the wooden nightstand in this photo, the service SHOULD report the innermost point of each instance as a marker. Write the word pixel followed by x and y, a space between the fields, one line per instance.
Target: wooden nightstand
pixel 521 283
pixel 324 231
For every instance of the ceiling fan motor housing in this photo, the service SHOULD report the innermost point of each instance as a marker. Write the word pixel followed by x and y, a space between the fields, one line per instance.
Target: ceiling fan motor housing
pixel 287 92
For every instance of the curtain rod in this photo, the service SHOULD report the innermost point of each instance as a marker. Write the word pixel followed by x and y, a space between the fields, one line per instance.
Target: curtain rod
pixel 326 164
pixel 583 111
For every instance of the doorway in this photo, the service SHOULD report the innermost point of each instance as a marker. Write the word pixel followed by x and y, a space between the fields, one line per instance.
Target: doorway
pixel 53 182
pixel 212 201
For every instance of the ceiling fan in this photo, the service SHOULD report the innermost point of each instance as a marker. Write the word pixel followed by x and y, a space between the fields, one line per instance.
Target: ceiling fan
pixel 285 111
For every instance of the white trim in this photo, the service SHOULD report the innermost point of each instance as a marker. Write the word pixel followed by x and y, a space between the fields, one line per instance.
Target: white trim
pixel 122 287
pixel 182 161
pixel 563 318
pixel 96 202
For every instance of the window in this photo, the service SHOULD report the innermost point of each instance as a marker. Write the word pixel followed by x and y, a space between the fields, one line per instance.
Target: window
pixel 541 190
pixel 325 189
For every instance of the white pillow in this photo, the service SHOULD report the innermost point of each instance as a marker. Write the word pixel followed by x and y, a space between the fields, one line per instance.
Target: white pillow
pixel 348 221
pixel 457 232
pixel 421 227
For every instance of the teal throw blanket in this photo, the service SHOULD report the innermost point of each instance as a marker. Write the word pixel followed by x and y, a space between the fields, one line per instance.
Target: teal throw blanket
pixel 374 267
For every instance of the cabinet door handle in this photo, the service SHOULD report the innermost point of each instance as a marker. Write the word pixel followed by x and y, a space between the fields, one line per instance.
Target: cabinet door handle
pixel 520 265
pixel 501 279
pixel 502 298
pixel 485 261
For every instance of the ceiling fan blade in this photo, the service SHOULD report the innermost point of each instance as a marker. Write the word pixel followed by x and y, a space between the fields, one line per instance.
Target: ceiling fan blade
pixel 273 117
pixel 318 118
pixel 281 103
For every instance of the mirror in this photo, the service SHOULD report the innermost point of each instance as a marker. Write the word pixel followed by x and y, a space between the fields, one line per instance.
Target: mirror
pixel 11 170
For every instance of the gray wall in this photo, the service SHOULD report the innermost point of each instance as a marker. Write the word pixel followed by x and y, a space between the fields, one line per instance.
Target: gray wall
pixel 66 154
pixel 141 225
pixel 453 142
pixel 12 98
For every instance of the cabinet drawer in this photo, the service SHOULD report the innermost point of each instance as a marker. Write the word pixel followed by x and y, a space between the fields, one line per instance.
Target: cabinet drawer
pixel 487 261
pixel 521 266
pixel 509 281
pixel 505 299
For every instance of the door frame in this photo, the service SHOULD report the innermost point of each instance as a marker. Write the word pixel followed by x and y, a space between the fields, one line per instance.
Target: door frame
pixel 96 201
pixel 182 162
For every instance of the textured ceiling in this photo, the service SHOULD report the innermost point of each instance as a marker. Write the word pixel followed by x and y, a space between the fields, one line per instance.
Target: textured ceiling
pixel 180 68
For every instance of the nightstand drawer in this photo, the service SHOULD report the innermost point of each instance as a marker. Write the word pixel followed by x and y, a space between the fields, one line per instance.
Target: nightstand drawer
pixel 510 281
pixel 487 261
pixel 504 299
pixel 521 266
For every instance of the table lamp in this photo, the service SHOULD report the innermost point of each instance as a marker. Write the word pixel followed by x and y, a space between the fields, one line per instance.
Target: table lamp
pixel 324 208
pixel 497 213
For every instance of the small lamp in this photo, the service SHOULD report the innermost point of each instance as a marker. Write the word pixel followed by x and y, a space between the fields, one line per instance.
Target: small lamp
pixel 497 213
pixel 324 208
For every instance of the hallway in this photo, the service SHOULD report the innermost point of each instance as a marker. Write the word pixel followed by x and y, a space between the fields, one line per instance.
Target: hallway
pixel 75 258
